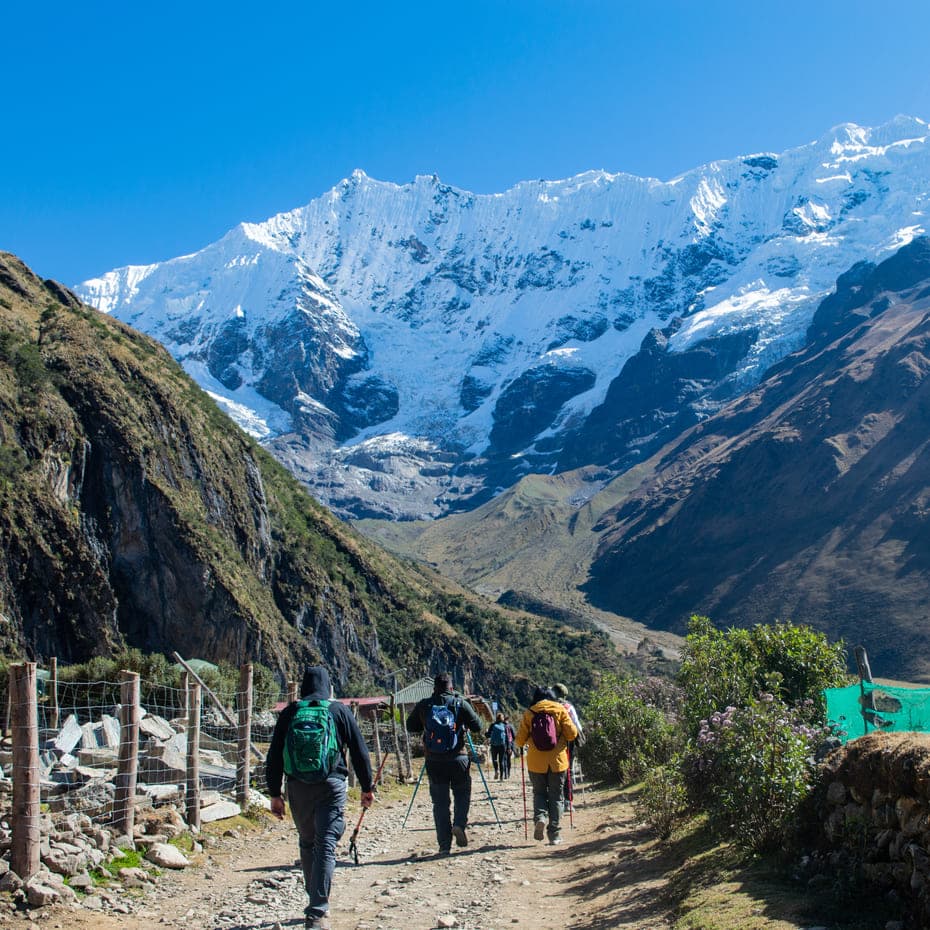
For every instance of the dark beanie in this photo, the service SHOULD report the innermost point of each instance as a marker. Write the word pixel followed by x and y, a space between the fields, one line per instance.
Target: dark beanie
pixel 442 682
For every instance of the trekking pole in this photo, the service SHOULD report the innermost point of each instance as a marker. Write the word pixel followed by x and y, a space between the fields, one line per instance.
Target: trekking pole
pixel 353 849
pixel 412 799
pixel 474 755
pixel 570 794
pixel 526 829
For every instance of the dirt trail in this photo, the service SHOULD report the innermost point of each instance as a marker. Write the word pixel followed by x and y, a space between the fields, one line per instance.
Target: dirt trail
pixel 595 880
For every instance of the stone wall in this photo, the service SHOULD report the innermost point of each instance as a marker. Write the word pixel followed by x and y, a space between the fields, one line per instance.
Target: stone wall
pixel 872 808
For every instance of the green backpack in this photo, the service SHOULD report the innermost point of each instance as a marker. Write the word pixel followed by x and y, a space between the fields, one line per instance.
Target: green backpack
pixel 311 747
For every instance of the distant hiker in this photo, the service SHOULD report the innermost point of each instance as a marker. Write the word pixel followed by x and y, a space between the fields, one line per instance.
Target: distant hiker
pixel 561 693
pixel 546 730
pixel 497 738
pixel 442 719
pixel 309 745
pixel 511 736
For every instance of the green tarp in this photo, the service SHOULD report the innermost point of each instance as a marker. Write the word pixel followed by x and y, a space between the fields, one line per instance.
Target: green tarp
pixel 870 707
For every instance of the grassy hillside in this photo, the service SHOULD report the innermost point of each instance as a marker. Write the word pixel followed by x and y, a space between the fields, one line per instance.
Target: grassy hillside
pixel 134 513
pixel 532 544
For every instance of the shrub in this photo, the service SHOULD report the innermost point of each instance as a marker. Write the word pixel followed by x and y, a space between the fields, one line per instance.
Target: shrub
pixel 624 735
pixel 664 798
pixel 727 668
pixel 751 767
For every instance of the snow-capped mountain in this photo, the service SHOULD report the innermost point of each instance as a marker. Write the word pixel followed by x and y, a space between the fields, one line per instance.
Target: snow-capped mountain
pixel 410 349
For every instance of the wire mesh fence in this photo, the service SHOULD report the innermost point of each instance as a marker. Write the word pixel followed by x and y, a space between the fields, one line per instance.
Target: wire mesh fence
pixel 113 759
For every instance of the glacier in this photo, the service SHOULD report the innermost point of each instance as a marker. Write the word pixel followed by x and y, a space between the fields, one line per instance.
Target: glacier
pixel 410 349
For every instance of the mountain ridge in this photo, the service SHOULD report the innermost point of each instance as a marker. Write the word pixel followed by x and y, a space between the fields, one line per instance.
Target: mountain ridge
pixel 410 350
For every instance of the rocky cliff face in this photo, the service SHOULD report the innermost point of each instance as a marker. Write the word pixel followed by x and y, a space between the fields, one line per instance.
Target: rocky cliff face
pixel 806 499
pixel 408 351
pixel 133 512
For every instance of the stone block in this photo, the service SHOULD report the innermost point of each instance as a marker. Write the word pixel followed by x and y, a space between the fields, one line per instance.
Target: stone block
pixel 69 736
pixel 221 810
pixel 41 895
pixel 166 856
pixel 156 727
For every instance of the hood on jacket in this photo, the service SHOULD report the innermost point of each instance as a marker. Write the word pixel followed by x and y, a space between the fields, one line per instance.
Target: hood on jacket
pixel 316 685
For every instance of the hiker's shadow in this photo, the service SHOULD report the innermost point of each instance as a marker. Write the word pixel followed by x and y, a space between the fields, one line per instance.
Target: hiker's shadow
pixel 269 925
pixel 432 857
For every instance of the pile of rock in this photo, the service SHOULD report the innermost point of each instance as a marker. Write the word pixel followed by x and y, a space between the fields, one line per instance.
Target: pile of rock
pixel 873 806
pixel 78 766
pixel 78 754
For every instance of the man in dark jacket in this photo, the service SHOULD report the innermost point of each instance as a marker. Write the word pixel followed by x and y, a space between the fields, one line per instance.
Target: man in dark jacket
pixel 318 807
pixel 447 766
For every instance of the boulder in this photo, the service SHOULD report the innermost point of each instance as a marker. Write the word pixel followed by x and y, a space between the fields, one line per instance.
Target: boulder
pixel 166 856
pixel 38 894
pixel 68 736
pixel 156 727
pixel 82 882
pixel 220 810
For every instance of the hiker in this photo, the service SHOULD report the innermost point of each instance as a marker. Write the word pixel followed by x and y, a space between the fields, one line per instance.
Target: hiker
pixel 309 745
pixel 497 738
pixel 546 730
pixel 511 736
pixel 442 719
pixel 561 693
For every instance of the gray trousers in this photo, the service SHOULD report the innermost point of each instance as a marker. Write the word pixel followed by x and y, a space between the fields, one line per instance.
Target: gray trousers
pixel 319 815
pixel 547 799
pixel 445 776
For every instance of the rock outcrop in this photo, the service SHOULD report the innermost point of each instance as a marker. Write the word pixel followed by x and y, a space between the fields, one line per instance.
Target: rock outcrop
pixel 133 513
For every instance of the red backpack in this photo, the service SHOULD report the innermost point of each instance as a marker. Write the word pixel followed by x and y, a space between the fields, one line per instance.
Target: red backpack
pixel 544 733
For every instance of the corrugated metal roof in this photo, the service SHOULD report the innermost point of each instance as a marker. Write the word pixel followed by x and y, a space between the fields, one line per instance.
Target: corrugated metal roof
pixel 415 692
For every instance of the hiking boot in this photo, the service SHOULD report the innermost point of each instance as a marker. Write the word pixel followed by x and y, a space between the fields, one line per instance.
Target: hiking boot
pixel 460 838
pixel 444 851
pixel 539 831
pixel 556 840
pixel 316 923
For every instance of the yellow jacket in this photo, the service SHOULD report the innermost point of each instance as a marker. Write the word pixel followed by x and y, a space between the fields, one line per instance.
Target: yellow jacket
pixel 555 760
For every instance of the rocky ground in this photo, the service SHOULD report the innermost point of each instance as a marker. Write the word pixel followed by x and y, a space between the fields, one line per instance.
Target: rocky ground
pixel 248 880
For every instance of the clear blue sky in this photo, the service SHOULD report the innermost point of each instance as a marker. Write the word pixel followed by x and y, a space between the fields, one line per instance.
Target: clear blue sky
pixel 133 133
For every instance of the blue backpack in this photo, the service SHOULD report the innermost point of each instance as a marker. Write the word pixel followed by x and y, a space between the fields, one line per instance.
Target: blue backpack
pixel 439 727
pixel 499 734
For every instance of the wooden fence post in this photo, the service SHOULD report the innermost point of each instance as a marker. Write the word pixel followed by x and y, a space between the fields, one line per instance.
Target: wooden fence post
pixel 396 737
pixel 192 794
pixel 227 716
pixel 53 713
pixel 124 802
pixel 244 736
pixel 406 735
pixel 375 722
pixel 24 857
pixel 293 691
pixel 186 689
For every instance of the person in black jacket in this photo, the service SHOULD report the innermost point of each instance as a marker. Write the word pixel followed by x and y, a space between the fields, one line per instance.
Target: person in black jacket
pixel 318 807
pixel 448 769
